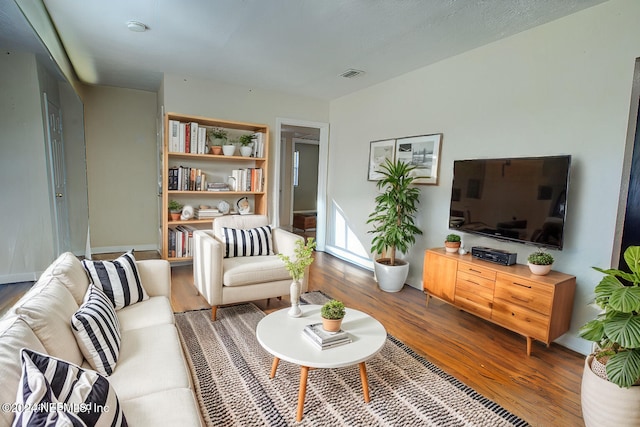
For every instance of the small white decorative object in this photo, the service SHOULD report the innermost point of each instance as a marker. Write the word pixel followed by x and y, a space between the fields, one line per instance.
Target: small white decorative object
pixel 223 207
pixel 462 250
pixel 187 212
pixel 294 295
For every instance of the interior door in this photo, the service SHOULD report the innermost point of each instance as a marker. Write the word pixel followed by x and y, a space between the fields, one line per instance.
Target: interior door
pixel 58 177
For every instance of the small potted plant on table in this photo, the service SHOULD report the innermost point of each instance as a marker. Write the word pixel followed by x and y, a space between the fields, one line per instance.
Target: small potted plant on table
pixel 452 243
pixel 540 263
pixel 332 314
pixel 217 137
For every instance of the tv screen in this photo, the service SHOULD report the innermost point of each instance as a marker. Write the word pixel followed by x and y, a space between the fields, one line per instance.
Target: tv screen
pixel 522 200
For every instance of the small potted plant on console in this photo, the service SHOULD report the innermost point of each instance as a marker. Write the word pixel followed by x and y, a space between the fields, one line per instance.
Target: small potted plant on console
pixel 540 263
pixel 452 243
pixel 332 314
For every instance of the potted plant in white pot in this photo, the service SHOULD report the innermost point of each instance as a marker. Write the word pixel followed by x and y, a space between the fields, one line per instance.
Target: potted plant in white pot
pixel 297 266
pixel 393 223
pixel 610 391
pixel 245 145
pixel 540 263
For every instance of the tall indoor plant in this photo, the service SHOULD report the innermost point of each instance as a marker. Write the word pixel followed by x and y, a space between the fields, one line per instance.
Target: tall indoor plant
pixel 611 398
pixel 393 223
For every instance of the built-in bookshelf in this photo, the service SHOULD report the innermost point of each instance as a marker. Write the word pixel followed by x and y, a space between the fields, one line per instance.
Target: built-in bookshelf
pixel 193 177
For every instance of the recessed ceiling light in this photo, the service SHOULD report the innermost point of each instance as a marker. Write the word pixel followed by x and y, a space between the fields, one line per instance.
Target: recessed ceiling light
pixel 137 26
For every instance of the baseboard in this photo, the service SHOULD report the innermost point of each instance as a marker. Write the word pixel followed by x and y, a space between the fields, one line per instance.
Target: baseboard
pixel 19 277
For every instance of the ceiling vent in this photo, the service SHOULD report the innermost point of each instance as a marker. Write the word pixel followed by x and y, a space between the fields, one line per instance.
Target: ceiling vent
pixel 351 73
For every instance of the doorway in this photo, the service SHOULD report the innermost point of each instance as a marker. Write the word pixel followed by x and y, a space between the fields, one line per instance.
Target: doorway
pixel 300 185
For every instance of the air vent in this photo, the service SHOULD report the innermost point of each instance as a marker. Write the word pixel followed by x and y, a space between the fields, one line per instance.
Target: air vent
pixel 351 73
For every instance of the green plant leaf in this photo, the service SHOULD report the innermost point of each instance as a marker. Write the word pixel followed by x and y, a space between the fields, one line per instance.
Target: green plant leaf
pixel 592 331
pixel 623 328
pixel 625 299
pixel 632 258
pixel 623 368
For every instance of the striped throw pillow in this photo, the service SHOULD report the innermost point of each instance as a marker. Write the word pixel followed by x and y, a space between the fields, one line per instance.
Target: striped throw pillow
pixel 97 331
pixel 118 279
pixel 59 392
pixel 250 242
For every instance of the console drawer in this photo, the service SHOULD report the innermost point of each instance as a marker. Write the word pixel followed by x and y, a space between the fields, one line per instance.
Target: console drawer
pixel 519 319
pixel 525 293
pixel 476 270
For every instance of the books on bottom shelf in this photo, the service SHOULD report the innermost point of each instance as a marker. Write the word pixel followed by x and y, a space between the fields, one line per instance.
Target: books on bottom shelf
pixel 323 339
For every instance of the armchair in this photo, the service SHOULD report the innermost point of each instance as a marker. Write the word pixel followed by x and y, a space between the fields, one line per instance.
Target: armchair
pixel 228 280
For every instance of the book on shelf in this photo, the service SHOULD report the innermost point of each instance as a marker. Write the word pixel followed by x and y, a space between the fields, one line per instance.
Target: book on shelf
pixel 188 137
pixel 323 339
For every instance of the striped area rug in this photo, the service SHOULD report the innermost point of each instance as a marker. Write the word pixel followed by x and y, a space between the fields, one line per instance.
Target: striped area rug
pixel 231 376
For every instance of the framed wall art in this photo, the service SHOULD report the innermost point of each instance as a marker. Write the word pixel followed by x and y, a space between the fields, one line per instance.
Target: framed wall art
pixel 379 151
pixel 423 152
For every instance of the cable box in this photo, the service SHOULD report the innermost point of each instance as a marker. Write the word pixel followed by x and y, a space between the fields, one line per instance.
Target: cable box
pixel 494 255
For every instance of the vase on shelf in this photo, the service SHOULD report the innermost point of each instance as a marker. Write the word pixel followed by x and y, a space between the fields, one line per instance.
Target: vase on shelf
pixel 229 149
pixel 294 295
pixel 216 149
pixel 246 151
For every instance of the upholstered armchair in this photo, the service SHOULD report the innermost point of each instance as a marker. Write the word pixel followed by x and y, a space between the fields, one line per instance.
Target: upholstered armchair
pixel 237 261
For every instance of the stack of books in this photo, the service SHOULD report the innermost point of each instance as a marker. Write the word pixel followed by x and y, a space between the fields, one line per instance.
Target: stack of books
pixel 323 339
pixel 217 186
pixel 207 213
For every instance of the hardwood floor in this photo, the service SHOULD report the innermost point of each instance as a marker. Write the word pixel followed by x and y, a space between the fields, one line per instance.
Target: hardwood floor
pixel 543 389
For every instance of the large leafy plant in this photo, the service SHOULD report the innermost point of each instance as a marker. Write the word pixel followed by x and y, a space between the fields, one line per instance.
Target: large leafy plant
pixel 393 217
pixel 617 329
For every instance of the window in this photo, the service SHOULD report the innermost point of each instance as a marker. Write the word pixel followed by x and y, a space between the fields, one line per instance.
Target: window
pixel 296 167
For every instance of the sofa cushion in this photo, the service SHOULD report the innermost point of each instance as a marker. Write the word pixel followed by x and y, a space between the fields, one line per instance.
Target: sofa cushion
pixel 15 334
pixel 250 270
pixel 152 409
pixel 119 279
pixel 97 331
pixel 47 381
pixel 154 311
pixel 68 270
pixel 153 356
pixel 48 310
pixel 250 242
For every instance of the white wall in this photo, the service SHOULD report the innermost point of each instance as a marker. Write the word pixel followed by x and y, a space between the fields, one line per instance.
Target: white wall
pixel 561 88
pixel 26 229
pixel 121 168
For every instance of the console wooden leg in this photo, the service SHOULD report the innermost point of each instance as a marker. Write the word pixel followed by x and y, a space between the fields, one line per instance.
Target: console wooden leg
pixel 214 310
pixel 304 373
pixel 529 344
pixel 427 302
pixel 274 367
pixel 365 381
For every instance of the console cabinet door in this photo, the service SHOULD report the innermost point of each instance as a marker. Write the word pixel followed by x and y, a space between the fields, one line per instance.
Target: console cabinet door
pixel 439 276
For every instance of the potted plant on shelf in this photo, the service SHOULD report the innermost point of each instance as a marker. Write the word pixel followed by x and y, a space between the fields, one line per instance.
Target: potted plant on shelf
pixel 540 263
pixel 610 392
pixel 332 313
pixel 303 258
pixel 175 209
pixel 245 142
pixel 393 223
pixel 217 137
pixel 452 243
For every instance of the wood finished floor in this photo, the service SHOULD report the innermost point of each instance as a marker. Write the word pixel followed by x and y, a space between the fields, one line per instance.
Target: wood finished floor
pixel 543 389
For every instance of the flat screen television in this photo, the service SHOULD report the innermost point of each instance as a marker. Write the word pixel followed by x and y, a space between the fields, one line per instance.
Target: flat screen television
pixel 521 200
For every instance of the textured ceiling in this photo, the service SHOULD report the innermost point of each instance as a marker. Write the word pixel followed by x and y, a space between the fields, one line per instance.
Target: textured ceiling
pixel 295 46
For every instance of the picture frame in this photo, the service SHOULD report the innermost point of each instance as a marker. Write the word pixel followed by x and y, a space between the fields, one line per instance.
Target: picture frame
pixel 379 151
pixel 423 152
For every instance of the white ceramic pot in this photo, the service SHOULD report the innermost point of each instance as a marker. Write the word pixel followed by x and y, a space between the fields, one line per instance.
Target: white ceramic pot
pixel 246 151
pixel 228 150
pixel 539 270
pixel 391 278
pixel 606 404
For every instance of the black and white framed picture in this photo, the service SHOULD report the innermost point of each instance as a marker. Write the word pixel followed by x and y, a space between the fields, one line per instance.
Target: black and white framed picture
pixel 379 152
pixel 423 152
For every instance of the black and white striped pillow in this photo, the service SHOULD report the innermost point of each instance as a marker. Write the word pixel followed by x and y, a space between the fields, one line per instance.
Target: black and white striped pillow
pixel 250 242
pixel 64 394
pixel 118 279
pixel 97 331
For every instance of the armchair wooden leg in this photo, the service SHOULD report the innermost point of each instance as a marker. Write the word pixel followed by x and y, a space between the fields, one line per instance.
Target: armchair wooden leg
pixel 214 310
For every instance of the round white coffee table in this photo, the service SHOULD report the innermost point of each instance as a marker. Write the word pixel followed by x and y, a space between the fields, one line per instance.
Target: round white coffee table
pixel 282 337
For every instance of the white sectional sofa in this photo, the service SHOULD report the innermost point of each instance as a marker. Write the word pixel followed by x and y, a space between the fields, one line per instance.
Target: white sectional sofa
pixel 151 378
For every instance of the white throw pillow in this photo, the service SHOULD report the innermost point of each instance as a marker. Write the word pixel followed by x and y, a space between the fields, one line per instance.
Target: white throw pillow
pixel 97 331
pixel 64 394
pixel 250 242
pixel 118 279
